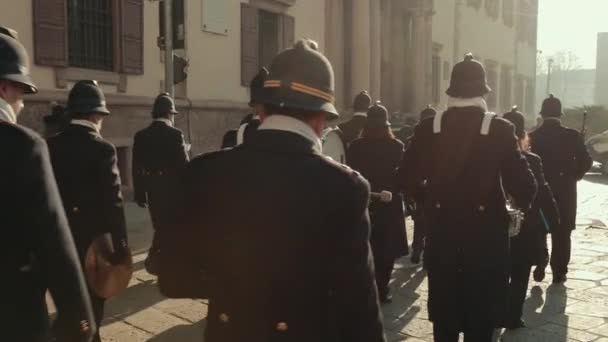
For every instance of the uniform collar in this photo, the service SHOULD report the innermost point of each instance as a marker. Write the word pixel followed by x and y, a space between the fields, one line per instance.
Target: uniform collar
pixel 552 121
pixel 6 112
pixel 87 124
pixel 360 114
pixel 168 122
pixel 292 125
pixel 456 102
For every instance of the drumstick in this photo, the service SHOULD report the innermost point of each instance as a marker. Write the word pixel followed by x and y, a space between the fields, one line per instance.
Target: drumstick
pixel 383 196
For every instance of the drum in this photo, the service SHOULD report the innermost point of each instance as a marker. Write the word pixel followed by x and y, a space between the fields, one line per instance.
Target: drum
pixel 333 145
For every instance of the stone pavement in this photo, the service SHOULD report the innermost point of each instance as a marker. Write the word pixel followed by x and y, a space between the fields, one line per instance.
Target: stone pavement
pixel 575 311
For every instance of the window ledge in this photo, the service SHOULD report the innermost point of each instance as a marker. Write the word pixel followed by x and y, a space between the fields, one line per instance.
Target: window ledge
pixel 65 75
pixel 278 6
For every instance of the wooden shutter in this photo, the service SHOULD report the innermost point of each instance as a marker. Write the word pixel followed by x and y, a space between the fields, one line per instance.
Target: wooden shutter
pixel 131 37
pixel 287 31
pixel 50 32
pixel 249 43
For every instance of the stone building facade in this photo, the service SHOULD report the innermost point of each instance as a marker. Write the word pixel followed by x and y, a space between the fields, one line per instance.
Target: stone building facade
pixel 399 50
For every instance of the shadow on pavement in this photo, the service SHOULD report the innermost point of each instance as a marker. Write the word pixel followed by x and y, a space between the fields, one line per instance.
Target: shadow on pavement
pixel 182 333
pixel 406 305
pixel 597 178
pixel 134 299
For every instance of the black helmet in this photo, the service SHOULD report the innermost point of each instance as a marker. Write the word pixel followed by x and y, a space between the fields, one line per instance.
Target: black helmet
pixel 301 78
pixel 256 87
pixel 87 97
pixel 362 102
pixel 517 119
pixel 377 116
pixel 552 107
pixel 468 79
pixel 164 105
pixel 57 114
pixel 428 112
pixel 14 61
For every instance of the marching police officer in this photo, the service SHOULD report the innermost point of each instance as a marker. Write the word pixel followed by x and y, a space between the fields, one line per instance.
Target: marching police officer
pixel 351 130
pixel 417 205
pixel 55 122
pixel 527 248
pixel 466 157
pixel 294 264
pixel 159 157
pixel 37 250
pixel 377 155
pixel 251 122
pixel 565 161
pixel 87 174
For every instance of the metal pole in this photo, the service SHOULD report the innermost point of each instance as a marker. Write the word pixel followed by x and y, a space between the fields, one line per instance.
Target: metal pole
pixel 549 67
pixel 169 46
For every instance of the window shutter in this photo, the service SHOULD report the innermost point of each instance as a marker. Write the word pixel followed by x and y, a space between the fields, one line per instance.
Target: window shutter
pixel 288 31
pixel 249 43
pixel 50 32
pixel 131 37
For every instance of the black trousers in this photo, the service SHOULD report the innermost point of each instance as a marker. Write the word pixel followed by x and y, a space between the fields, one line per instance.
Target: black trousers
pixel 518 287
pixel 384 269
pixel 472 333
pixel 560 251
pixel 97 304
pixel 419 231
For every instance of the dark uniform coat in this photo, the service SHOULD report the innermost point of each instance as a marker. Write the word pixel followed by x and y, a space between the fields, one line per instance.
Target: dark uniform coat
pixel 565 162
pixel 36 250
pixel 89 182
pixel 294 264
pixel 378 160
pixel 527 248
pixel 159 157
pixel 467 242
pixel 351 130
pixel 87 174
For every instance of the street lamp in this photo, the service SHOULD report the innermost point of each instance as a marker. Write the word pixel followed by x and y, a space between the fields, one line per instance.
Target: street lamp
pixel 549 67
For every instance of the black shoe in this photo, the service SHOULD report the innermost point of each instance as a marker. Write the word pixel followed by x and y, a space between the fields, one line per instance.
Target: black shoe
pixel 559 278
pixel 415 258
pixel 539 274
pixel 516 324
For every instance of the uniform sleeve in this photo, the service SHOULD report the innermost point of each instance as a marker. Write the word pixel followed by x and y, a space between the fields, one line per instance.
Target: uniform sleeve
pixel 583 159
pixel 112 201
pixel 546 201
pixel 53 245
pixel 139 187
pixel 356 299
pixel 181 152
pixel 518 180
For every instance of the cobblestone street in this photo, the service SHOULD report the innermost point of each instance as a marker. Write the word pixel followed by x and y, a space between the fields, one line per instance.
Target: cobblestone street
pixel 576 311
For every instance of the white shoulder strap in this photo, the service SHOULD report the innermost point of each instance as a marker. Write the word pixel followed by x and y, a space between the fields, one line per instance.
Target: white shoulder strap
pixel 437 122
pixel 486 123
pixel 240 134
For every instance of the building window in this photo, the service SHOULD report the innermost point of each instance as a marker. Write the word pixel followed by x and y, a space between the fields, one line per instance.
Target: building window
pixel 268 39
pixel 492 76
pixel 506 84
pixel 436 82
pixel 492 8
pixel 90 34
pixel 508 12
pixel 263 35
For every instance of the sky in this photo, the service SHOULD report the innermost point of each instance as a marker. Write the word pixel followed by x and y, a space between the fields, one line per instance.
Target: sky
pixel 572 25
